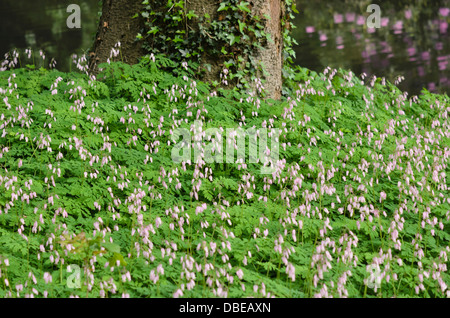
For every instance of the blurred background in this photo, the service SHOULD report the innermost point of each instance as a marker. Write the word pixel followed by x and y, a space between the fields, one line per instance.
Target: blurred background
pixel 413 40
pixel 41 25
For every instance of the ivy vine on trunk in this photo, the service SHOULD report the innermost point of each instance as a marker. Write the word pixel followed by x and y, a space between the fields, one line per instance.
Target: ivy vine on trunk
pixel 233 42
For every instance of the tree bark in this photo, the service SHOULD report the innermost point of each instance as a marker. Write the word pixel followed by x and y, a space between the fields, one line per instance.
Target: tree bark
pixel 117 25
pixel 272 54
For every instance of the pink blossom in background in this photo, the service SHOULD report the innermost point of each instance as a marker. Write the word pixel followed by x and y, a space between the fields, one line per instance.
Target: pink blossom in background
pixel 443 25
pixel 360 20
pixel 384 22
pixel 431 86
pixel 310 29
pixel 442 65
pixel 386 47
pixel 420 71
pixel 323 37
pixel 411 51
pixel 444 11
pixel 439 46
pixel 398 26
pixel 338 18
pixel 408 14
pixel 442 62
pixel 371 30
pixel 350 17
pixel 339 42
pixel 425 55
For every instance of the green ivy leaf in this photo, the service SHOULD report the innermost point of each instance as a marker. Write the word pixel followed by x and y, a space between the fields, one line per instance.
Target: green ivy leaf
pixel 241 26
pixel 223 6
pixel 243 6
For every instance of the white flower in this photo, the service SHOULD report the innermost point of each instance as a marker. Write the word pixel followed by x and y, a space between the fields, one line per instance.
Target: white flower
pixel 178 293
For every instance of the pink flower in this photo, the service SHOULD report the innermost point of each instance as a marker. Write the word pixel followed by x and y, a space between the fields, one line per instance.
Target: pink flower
pixel 411 51
pixel 338 18
pixel 360 20
pixel 178 293
pixel 158 222
pixel 310 29
pixel 382 196
pixel 350 17
pixel 398 26
pixel 444 11
pixel 425 56
pixel 408 14
pixel 47 277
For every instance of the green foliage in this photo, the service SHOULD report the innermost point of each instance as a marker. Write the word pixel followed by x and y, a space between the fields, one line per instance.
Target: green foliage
pixel 88 179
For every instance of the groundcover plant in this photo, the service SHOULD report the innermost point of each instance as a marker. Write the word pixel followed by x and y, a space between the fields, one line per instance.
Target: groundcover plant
pixel 93 205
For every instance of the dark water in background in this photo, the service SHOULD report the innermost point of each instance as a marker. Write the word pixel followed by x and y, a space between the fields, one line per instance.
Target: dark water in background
pixel 41 25
pixel 413 41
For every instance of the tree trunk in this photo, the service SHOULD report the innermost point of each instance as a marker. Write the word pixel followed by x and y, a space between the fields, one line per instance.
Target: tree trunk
pixel 272 54
pixel 117 25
